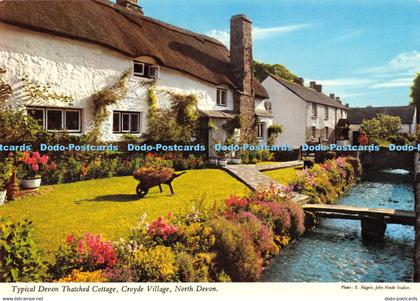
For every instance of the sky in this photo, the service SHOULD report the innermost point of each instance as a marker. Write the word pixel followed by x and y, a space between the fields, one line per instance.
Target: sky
pixel 365 51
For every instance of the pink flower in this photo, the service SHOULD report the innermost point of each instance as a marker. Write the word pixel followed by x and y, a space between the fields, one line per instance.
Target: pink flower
pixel 170 215
pixel 35 167
pixel 36 155
pixel 43 159
pixel 80 246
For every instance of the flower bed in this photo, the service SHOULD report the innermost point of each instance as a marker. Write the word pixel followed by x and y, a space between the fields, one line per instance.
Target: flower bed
pixel 325 182
pixel 232 243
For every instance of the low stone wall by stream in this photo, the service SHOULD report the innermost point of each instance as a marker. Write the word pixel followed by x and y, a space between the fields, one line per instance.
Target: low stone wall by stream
pixel 384 159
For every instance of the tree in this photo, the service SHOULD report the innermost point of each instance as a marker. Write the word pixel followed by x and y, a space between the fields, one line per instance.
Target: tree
pixel 415 94
pixel 261 71
pixel 381 127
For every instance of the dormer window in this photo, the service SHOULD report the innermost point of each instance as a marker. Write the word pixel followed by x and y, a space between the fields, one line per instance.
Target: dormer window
pixel 221 97
pixel 267 106
pixel 145 70
pixel 138 69
pixel 154 72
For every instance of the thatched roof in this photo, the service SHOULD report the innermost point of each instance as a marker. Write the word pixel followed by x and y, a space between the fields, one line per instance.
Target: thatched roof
pixel 357 115
pixel 129 32
pixel 309 94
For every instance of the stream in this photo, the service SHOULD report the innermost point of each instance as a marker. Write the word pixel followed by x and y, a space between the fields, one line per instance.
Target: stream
pixel 334 250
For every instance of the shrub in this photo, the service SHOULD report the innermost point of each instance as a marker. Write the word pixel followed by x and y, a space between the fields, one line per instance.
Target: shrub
pixel 89 253
pixel 6 168
pixel 20 258
pixel 321 157
pixel 325 182
pixel 156 264
pixel 197 237
pixel 163 232
pixel 235 251
pixel 80 276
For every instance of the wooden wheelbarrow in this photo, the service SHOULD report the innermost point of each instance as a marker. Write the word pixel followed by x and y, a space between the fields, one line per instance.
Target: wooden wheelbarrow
pixel 142 189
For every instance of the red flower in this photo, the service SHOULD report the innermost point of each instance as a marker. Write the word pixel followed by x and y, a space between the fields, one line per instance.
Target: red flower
pixel 36 155
pixel 70 238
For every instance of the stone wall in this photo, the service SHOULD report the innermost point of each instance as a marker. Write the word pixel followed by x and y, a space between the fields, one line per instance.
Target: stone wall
pixel 384 159
pixel 417 226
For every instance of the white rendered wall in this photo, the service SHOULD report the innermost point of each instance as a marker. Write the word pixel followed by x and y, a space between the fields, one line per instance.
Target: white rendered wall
pixel 289 111
pixel 80 69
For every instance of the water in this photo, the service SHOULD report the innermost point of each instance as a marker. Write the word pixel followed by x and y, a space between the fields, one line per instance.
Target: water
pixel 335 252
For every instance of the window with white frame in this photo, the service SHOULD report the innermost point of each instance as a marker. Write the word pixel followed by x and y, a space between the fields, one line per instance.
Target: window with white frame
pixel 268 106
pixel 57 119
pixel 221 97
pixel 145 70
pixel 126 122
pixel 314 110
pixel 261 130
pixel 327 112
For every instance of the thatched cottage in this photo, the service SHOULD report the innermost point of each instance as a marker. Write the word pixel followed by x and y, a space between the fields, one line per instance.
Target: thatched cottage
pixel 80 47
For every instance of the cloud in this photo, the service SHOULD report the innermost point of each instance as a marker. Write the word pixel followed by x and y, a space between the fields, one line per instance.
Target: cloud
pixel 345 82
pixel 394 83
pixel 258 33
pixel 221 35
pixel 403 63
pixel 348 36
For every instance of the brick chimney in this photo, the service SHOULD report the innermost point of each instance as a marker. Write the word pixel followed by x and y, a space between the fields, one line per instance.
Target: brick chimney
pixel 318 88
pixel 312 84
pixel 242 70
pixel 299 81
pixel 130 4
pixel 332 96
pixel 337 99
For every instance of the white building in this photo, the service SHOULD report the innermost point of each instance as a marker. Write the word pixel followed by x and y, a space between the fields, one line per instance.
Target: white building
pixel 407 114
pixel 81 47
pixel 305 113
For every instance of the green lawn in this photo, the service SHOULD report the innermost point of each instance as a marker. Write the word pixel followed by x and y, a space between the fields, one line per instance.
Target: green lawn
pixel 110 206
pixel 284 175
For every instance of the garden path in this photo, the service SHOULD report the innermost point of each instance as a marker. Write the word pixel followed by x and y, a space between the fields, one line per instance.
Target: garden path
pixel 252 176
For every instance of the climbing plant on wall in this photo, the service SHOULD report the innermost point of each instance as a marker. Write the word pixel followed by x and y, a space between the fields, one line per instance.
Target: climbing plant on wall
pixel 177 124
pixel 5 88
pixel 104 98
pixel 273 132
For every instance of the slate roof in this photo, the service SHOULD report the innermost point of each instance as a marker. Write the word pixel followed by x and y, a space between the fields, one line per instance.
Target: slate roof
pixel 308 94
pixel 218 114
pixel 128 32
pixel 357 115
